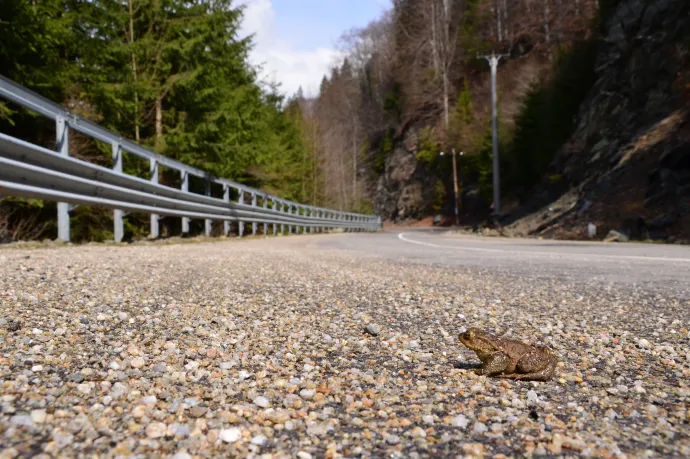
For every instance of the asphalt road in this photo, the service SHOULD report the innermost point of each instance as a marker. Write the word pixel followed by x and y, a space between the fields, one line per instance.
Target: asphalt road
pixel 647 266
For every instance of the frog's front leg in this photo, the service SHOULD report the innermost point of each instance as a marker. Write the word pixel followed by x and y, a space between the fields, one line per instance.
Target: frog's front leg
pixel 495 364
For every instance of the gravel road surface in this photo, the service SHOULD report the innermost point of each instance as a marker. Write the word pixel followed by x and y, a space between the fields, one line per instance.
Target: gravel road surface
pixel 341 346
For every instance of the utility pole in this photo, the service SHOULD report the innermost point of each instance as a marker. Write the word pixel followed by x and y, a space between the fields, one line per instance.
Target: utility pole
pixel 493 62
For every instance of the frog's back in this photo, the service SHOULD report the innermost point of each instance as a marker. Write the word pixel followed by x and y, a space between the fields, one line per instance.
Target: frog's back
pixel 516 349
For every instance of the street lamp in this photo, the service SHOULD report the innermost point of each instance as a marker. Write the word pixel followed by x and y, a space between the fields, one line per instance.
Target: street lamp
pixel 455 186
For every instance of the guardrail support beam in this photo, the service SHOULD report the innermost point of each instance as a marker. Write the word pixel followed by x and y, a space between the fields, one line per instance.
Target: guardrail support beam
pixel 275 227
pixel 226 198
pixel 265 206
pixel 118 222
pixel 185 188
pixel 62 144
pixel 254 224
pixel 208 223
pixel 240 224
pixel 155 229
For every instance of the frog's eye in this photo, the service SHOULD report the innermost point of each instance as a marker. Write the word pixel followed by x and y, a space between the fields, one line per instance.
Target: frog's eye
pixel 468 335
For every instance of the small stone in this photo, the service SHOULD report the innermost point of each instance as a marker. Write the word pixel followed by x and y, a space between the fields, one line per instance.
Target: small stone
pixel 182 455
pixel 643 344
pixel 227 365
pixel 159 368
pixel 198 411
pixel 428 419
pixel 77 377
pixel 532 396
pixel 307 394
pixel 460 421
pixel 259 440
pixel 230 435
pixel 114 366
pixel 138 362
pixel 304 455
pixel 156 430
pixel 84 388
pixel 261 402
pixel 22 420
pixel 418 432
pixel 373 329
pixel 392 439
pixel 479 427
pixel 38 416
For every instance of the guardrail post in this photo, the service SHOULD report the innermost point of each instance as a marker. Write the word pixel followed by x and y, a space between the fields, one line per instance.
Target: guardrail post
pixel 62 143
pixel 226 198
pixel 118 223
pixel 208 223
pixel 311 216
pixel 185 188
pixel 240 223
pixel 290 209
pixel 155 229
pixel 282 226
pixel 322 214
pixel 275 207
pixel 265 206
pixel 254 224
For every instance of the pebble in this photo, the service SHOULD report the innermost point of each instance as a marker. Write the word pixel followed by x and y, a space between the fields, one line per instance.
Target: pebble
pixel 38 416
pixel 259 440
pixel 230 435
pixel 392 439
pixel 261 402
pixel 307 394
pixel 373 329
pixel 138 362
pixel 479 427
pixel 156 430
pixel 460 421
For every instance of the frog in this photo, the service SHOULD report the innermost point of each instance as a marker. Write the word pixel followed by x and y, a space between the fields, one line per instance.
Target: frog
pixel 508 358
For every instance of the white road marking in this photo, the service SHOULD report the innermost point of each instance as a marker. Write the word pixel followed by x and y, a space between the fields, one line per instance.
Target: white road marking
pixel 402 237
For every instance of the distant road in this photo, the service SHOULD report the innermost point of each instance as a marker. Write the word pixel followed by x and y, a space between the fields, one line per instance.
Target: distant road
pixel 651 265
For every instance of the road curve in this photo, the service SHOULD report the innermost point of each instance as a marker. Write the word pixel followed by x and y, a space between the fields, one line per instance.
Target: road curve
pixel 654 266
pixel 341 345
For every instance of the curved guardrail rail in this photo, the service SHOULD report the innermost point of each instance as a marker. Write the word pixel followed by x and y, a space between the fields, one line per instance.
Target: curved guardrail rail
pixel 32 171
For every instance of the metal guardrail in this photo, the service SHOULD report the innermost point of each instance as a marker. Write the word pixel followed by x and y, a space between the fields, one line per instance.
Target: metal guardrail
pixel 28 170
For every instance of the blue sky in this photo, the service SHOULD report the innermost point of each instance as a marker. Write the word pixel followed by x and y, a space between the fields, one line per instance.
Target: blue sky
pixel 296 40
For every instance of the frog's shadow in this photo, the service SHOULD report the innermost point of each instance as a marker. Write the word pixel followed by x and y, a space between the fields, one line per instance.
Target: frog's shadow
pixel 466 365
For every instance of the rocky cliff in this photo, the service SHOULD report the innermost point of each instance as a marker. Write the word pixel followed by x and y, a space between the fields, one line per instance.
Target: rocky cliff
pixel 628 162
pixel 405 188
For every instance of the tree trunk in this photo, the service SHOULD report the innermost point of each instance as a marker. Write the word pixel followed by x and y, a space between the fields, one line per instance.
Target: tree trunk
pixel 547 32
pixel 506 28
pixel 499 24
pixel 434 38
pixel 134 69
pixel 559 21
pixel 446 104
pixel 159 124
pixel 354 167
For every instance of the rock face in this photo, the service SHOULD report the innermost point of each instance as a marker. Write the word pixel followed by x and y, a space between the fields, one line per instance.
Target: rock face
pixel 405 189
pixel 628 161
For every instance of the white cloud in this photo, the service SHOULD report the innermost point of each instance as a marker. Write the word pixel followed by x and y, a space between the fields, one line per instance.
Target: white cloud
pixel 280 59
